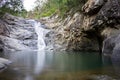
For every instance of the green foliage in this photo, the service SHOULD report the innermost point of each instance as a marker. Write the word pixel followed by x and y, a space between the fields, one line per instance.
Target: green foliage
pixel 58 6
pixel 14 7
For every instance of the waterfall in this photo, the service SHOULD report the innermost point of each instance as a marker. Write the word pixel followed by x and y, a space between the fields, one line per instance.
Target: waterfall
pixel 41 46
pixel 40 56
pixel 40 32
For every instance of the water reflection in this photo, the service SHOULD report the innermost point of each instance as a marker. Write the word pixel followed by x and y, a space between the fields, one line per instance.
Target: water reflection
pixel 73 62
pixel 116 61
pixel 40 61
pixel 26 63
pixel 41 65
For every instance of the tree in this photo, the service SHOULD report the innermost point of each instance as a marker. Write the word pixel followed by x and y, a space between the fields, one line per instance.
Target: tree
pixel 61 7
pixel 11 6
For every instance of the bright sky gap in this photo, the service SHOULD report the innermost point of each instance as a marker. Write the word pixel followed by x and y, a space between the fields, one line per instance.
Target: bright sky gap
pixel 29 4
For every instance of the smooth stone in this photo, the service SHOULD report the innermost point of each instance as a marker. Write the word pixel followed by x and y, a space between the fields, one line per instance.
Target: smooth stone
pixel 4 61
pixel 2 66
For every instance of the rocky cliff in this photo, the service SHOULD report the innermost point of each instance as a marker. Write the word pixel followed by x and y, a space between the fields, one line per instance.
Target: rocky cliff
pixel 105 23
pixel 95 26
pixel 85 30
pixel 17 33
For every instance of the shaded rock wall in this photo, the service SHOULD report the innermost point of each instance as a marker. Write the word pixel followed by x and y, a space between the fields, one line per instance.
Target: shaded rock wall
pixel 88 29
pixel 106 23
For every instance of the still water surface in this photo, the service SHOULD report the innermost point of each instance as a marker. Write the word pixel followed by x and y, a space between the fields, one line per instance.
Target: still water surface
pixel 43 65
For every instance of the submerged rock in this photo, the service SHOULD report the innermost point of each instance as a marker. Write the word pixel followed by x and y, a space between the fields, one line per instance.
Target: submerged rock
pixel 102 77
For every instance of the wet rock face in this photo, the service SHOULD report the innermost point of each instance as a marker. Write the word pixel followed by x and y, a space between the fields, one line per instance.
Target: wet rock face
pixel 16 33
pixel 105 21
pixel 103 18
pixel 111 46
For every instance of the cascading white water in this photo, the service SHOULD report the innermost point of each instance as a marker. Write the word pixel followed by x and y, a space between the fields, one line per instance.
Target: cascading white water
pixel 41 46
pixel 40 32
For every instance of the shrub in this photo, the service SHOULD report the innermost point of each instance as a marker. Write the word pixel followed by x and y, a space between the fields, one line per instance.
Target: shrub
pixel 58 6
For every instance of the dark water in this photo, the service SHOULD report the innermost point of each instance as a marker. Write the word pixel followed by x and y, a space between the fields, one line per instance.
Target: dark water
pixel 33 65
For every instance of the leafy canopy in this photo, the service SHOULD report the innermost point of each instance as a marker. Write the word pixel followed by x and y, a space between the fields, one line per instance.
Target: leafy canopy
pixel 14 7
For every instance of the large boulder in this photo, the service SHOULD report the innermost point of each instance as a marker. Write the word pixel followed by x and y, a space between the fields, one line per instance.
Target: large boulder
pixel 111 44
pixel 4 63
